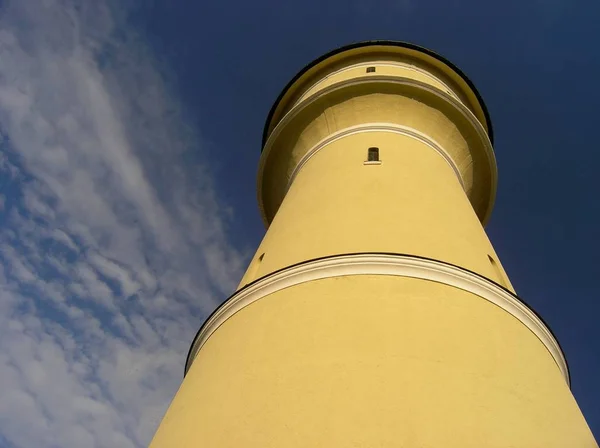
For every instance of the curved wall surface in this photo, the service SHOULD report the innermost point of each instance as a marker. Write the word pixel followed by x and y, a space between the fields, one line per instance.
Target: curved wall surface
pixel 375 312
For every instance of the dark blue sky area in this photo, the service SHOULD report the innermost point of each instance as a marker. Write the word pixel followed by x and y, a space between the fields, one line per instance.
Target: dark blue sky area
pixel 535 63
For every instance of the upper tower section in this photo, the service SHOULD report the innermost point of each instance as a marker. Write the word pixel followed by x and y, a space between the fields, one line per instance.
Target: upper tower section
pixel 378 85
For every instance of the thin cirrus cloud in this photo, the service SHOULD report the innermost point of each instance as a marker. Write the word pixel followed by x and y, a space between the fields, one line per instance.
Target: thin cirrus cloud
pixel 111 247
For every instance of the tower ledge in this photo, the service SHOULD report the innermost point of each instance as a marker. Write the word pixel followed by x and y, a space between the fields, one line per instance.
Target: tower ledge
pixel 386 264
pixel 376 82
pixel 315 69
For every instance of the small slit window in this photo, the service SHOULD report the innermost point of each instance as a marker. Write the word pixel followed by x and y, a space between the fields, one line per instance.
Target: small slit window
pixel 370 69
pixel 501 277
pixel 373 155
pixel 251 273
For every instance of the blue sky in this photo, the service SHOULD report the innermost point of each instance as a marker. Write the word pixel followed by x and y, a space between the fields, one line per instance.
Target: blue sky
pixel 129 140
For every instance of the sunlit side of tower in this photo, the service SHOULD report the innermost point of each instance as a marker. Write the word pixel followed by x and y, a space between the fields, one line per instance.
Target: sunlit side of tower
pixel 375 312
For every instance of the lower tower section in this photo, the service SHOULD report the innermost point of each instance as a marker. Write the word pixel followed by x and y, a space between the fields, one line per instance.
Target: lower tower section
pixel 374 350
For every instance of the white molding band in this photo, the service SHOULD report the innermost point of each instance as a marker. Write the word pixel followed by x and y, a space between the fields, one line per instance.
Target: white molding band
pixel 376 127
pixel 376 63
pixel 381 79
pixel 380 264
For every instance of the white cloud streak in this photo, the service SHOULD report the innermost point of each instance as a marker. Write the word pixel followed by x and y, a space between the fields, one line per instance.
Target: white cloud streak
pixel 112 248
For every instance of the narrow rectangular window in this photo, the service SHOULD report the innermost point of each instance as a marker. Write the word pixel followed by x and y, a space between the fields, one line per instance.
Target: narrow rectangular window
pixel 370 69
pixel 500 276
pixel 373 155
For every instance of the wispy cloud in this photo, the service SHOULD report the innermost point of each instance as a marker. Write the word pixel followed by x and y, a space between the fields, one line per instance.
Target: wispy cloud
pixel 112 242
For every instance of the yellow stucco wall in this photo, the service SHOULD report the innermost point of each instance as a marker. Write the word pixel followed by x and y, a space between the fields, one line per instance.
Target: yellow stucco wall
pixel 373 361
pixel 412 203
pixel 381 102
pixel 379 55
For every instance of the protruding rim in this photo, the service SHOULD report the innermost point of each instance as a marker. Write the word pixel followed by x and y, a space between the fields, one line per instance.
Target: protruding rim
pixel 487 124
pixel 436 270
pixel 460 106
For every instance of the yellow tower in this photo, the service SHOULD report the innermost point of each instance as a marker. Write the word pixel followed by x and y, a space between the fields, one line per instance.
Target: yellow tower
pixel 375 312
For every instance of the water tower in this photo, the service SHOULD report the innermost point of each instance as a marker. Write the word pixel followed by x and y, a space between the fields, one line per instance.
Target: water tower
pixel 375 312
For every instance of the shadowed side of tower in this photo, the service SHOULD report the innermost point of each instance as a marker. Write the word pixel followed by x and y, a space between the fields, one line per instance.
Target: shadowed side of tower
pixel 375 312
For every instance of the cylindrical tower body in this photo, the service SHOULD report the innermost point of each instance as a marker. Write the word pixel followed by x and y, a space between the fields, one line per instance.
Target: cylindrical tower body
pixel 375 312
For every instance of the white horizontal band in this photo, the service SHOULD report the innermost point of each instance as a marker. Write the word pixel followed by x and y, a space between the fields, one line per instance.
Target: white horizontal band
pixel 377 127
pixel 381 264
pixel 378 64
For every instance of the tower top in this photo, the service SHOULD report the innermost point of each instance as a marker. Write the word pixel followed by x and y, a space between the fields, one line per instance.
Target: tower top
pixel 380 86
pixel 318 68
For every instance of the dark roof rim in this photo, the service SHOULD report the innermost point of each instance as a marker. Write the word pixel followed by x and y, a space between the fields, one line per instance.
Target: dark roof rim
pixel 373 43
